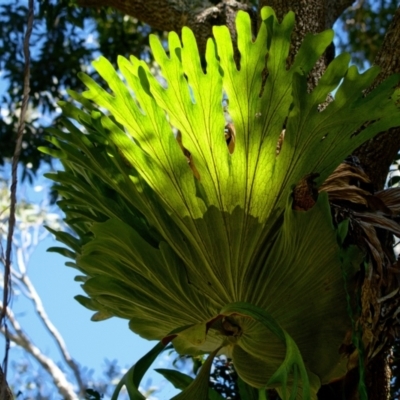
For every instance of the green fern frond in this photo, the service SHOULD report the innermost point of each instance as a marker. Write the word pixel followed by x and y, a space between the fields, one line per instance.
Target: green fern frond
pixel 175 228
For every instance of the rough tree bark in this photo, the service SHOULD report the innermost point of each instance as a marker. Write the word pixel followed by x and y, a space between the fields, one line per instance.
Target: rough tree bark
pixel 312 16
pixel 171 15
pixel 376 155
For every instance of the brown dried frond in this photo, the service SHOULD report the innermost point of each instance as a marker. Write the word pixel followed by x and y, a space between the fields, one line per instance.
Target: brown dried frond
pixel 347 183
pixel 350 192
pixel 391 198
pixel 379 221
pixel 373 217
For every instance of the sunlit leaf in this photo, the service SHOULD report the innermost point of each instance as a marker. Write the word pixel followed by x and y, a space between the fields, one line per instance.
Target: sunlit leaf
pixel 174 224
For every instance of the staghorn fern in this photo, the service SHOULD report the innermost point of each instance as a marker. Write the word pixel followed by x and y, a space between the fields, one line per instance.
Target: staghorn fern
pixel 196 241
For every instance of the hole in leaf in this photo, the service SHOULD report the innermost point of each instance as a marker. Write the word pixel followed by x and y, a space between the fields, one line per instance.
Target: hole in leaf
pixel 230 136
pixel 188 155
pixel 279 144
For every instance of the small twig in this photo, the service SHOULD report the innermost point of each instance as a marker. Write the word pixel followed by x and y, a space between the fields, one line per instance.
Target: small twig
pixel 11 223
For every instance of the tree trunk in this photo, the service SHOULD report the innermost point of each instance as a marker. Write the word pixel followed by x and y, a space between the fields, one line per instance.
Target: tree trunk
pixel 377 154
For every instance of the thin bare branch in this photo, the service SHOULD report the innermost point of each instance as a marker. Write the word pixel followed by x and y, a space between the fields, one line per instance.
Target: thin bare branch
pixel 11 223
pixel 40 310
pixel 20 338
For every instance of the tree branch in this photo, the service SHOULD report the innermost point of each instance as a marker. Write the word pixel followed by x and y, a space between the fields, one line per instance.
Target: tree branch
pixel 165 15
pixel 58 377
pixel 172 15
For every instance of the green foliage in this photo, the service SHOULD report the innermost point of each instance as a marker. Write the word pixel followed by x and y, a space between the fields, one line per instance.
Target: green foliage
pixel 365 24
pixel 210 254
pixel 135 374
pixel 65 39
